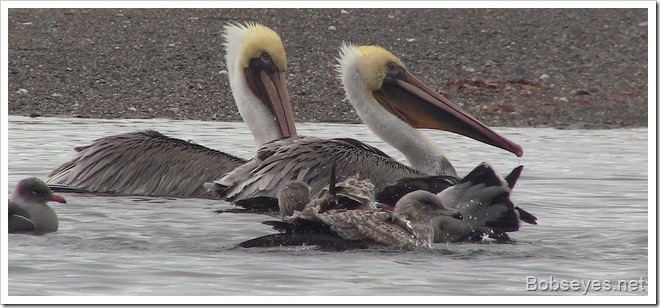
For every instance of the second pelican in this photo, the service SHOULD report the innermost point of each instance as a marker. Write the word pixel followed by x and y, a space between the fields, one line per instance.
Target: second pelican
pixel 393 104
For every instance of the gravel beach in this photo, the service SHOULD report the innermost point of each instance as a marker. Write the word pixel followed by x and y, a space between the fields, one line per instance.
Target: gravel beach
pixel 566 68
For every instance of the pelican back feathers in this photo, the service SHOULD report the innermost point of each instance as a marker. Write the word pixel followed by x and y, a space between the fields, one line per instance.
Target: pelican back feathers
pixel 306 159
pixel 143 163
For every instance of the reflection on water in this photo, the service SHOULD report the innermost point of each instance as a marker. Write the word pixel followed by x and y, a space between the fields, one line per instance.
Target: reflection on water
pixel 588 188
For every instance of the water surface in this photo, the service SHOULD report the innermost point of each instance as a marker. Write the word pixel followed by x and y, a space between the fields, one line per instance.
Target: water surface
pixel 589 189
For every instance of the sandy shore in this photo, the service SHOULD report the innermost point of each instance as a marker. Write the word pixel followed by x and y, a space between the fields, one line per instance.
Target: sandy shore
pixel 576 68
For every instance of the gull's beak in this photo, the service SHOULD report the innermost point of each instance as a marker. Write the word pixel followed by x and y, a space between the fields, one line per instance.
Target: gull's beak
pixel 415 103
pixel 56 198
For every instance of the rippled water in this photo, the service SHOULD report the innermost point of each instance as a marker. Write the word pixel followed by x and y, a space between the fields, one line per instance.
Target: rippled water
pixel 589 189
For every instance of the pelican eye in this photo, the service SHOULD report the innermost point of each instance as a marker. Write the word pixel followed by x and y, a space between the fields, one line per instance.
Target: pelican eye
pixel 392 66
pixel 263 62
pixel 395 71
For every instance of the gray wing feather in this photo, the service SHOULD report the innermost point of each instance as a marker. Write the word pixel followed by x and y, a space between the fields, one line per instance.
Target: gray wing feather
pixel 308 159
pixel 15 209
pixel 19 223
pixel 143 163
pixel 19 219
pixel 480 202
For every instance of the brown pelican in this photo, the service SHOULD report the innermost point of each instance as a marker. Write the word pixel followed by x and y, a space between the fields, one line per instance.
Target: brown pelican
pixel 28 211
pixel 150 163
pixel 393 104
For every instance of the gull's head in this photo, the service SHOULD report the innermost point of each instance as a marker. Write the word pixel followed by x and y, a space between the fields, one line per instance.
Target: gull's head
pixel 422 205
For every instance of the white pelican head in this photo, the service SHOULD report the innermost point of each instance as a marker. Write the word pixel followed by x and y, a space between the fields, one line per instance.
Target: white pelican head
pixel 256 64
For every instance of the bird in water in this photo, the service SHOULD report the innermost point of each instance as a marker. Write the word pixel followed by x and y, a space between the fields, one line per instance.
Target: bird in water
pixel 482 198
pixel 325 220
pixel 150 163
pixel 28 211
pixel 406 227
pixel 350 194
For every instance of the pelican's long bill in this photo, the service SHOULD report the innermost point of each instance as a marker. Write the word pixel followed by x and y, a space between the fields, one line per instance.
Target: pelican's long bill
pixel 415 103
pixel 269 85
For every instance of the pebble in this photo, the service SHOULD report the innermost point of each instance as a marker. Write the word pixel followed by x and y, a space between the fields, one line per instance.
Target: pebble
pixel 544 77
pixel 22 91
pixel 576 92
pixel 332 28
